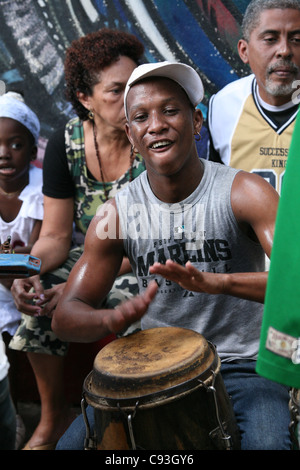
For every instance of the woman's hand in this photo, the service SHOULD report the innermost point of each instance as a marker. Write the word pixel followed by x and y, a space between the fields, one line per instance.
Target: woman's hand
pixel 26 293
pixel 50 300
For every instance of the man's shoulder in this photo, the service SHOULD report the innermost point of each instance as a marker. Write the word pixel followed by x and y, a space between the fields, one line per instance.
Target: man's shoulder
pixel 219 168
pixel 241 87
pixel 226 105
pixel 134 187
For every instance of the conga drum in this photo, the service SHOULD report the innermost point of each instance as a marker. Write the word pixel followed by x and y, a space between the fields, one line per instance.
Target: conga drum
pixel 160 389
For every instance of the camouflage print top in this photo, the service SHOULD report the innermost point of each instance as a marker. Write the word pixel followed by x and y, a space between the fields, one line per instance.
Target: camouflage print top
pixel 89 193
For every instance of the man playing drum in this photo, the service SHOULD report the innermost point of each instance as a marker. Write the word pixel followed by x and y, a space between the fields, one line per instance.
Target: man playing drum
pixel 196 233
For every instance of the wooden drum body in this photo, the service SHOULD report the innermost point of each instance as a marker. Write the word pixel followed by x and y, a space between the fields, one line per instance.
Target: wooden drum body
pixel 160 389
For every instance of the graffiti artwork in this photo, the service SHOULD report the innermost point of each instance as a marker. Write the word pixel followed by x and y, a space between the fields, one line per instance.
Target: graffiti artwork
pixel 35 34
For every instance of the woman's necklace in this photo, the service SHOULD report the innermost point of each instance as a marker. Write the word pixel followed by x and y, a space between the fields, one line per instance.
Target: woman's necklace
pixel 106 193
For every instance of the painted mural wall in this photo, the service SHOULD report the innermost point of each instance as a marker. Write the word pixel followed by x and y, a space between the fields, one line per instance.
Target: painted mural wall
pixel 34 35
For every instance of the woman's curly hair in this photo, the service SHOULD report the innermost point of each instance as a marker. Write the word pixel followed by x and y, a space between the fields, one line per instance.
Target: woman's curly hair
pixel 88 55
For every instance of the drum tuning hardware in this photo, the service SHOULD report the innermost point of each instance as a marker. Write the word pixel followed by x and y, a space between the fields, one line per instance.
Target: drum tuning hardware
pixel 130 418
pixel 211 388
pixel 89 441
pixel 294 408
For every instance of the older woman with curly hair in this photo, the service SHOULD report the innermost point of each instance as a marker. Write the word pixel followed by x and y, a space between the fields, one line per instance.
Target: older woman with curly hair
pixel 85 164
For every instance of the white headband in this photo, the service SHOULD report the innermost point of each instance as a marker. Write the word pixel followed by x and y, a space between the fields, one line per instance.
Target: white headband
pixel 12 106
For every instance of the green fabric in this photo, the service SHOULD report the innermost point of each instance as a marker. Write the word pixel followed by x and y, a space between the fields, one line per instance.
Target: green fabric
pixel 282 302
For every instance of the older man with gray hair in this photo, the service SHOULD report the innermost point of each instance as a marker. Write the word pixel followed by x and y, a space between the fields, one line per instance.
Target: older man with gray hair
pixel 251 120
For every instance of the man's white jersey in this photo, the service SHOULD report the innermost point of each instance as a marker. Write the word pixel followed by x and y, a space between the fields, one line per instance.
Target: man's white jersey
pixel 245 135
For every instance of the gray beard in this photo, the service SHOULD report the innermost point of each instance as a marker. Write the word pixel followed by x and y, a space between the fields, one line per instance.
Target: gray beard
pixel 279 90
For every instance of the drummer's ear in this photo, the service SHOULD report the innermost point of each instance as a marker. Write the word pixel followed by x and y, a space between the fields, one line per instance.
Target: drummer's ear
pixel 198 120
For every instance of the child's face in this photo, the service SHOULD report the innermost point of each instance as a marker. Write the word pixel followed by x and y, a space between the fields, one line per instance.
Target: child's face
pixel 17 149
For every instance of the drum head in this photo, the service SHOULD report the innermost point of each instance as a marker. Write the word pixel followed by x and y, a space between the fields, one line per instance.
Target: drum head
pixel 150 363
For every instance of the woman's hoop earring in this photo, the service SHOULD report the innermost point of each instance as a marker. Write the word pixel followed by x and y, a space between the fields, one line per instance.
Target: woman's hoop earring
pixel 91 115
pixel 198 138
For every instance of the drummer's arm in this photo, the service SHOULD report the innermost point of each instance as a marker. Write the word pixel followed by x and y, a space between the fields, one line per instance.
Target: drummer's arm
pixel 78 316
pixel 257 220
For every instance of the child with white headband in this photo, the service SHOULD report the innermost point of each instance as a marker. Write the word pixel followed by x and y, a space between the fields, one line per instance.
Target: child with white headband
pixel 21 205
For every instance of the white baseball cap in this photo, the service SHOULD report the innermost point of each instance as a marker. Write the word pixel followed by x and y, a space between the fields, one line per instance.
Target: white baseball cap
pixel 183 74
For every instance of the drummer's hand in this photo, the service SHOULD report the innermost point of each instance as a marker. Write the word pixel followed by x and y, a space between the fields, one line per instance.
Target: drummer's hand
pixel 189 277
pixel 131 310
pixel 23 298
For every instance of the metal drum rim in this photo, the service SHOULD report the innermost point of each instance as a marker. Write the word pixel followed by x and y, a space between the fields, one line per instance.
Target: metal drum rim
pixel 155 398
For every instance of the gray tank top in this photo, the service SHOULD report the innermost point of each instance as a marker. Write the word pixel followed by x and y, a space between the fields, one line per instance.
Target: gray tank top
pixel 202 229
